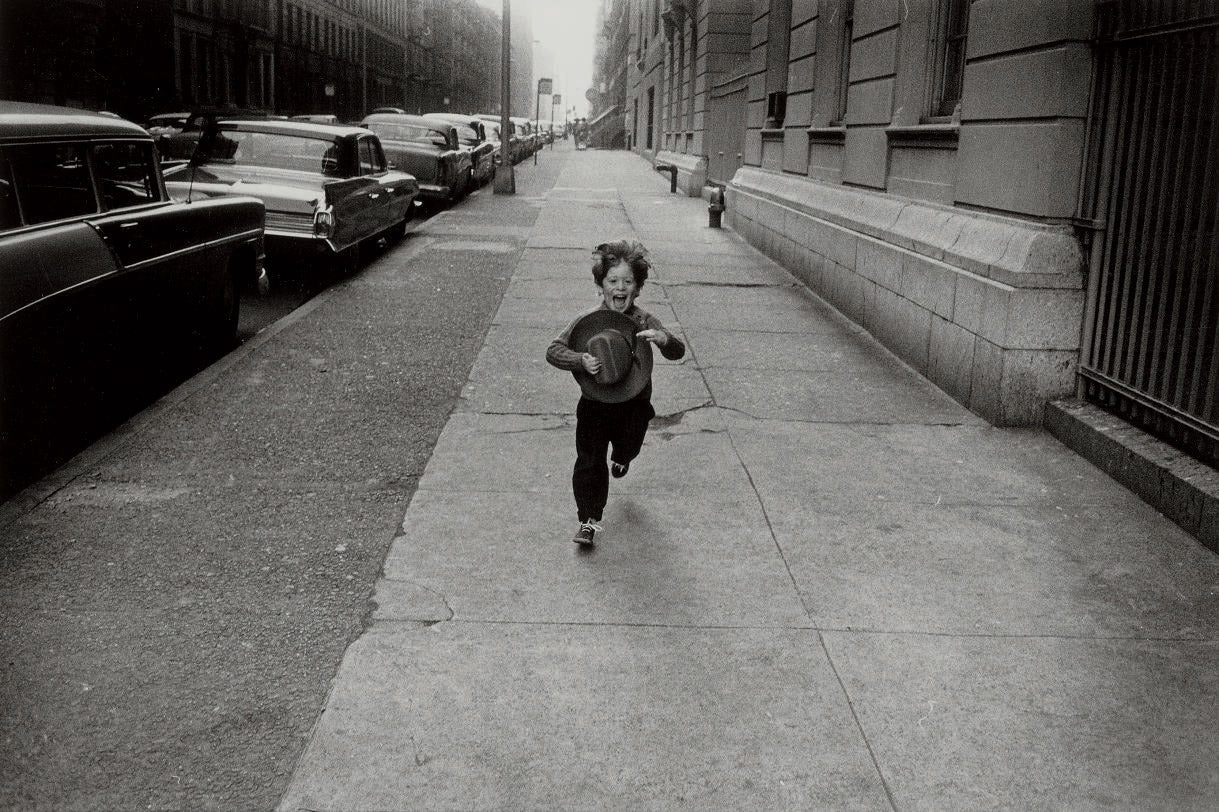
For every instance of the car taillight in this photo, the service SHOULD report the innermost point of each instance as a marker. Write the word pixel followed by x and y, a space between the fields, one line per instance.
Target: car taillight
pixel 323 222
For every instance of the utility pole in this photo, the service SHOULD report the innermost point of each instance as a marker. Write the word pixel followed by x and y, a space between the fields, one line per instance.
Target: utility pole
pixel 505 175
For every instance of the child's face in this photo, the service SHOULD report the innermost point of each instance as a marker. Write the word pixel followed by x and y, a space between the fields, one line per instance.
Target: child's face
pixel 618 289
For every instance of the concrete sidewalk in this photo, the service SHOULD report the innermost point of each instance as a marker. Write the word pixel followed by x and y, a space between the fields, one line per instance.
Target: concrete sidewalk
pixel 823 584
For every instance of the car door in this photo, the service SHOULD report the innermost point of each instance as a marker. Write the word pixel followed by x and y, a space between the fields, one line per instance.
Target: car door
pixel 173 265
pixel 153 241
pixel 65 320
pixel 353 197
pixel 399 187
pixel 380 211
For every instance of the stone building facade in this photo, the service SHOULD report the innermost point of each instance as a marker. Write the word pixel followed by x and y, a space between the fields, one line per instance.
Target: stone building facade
pixel 342 57
pixel 923 165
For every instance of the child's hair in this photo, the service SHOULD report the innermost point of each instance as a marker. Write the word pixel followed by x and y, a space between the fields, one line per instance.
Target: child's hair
pixel 632 253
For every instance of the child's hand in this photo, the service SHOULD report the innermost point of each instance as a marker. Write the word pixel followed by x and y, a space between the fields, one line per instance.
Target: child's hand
pixel 657 337
pixel 591 363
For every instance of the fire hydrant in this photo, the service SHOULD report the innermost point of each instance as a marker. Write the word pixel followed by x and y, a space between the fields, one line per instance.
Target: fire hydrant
pixel 715 210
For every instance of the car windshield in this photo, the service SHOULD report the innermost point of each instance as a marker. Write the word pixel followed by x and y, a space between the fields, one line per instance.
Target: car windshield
pixel 278 151
pixel 391 131
pixel 466 135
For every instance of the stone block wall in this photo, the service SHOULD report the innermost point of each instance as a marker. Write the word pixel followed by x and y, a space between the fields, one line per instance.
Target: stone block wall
pixel 989 308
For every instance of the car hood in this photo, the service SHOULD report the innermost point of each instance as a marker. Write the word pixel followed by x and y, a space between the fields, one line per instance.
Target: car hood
pixel 280 190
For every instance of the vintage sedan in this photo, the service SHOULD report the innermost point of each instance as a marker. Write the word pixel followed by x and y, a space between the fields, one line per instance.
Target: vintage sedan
pixel 105 282
pixel 515 145
pixel 472 136
pixel 328 189
pixel 429 150
pixel 492 135
pixel 529 140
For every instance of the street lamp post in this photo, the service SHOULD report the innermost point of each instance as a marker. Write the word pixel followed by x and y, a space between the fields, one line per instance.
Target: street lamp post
pixel 505 175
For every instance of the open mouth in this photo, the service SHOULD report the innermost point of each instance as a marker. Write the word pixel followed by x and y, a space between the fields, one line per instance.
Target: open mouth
pixel 619 302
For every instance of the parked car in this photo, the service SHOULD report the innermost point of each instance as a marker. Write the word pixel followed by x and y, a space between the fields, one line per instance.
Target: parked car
pixel 328 189
pixel 516 146
pixel 426 148
pixel 529 143
pixel 472 136
pixel 105 282
pixel 316 118
pixel 166 123
pixel 179 145
pixel 491 129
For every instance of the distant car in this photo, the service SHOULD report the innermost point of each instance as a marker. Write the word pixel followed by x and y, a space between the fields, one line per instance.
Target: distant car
pixel 492 135
pixel 428 149
pixel 529 141
pixel 516 146
pixel 166 123
pixel 178 146
pixel 104 279
pixel 316 118
pixel 472 135
pixel 396 110
pixel 327 189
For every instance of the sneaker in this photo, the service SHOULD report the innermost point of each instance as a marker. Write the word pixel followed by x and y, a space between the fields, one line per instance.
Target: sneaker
pixel 619 469
pixel 586 532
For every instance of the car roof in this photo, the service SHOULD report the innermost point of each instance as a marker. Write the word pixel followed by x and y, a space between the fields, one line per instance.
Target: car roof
pixel 401 118
pixel 452 117
pixel 407 118
pixel 286 127
pixel 26 119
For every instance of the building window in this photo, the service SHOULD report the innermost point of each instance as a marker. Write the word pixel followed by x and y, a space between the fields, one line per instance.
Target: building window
pixel 846 35
pixel 778 49
pixel 693 66
pixel 951 22
pixel 651 115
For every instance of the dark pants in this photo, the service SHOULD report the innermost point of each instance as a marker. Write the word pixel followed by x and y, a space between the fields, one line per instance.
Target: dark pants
pixel 598 426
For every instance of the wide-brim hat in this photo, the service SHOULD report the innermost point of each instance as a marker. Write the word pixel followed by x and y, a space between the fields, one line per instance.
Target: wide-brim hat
pixel 626 362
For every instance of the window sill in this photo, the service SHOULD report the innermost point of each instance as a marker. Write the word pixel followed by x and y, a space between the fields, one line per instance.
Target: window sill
pixel 925 136
pixel 772 133
pixel 827 135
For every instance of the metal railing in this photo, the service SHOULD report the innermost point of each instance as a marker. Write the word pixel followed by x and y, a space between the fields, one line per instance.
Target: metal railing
pixel 1152 327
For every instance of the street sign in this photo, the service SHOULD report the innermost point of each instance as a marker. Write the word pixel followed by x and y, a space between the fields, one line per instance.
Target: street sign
pixel 545 86
pixel 556 99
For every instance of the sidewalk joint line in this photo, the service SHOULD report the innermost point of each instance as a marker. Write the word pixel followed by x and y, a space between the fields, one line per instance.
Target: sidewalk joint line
pixel 880 773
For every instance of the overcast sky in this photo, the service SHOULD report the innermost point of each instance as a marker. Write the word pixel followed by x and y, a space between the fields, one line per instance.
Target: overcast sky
pixel 566 29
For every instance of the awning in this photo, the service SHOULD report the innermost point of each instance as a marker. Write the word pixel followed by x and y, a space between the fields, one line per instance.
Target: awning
pixel 598 119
